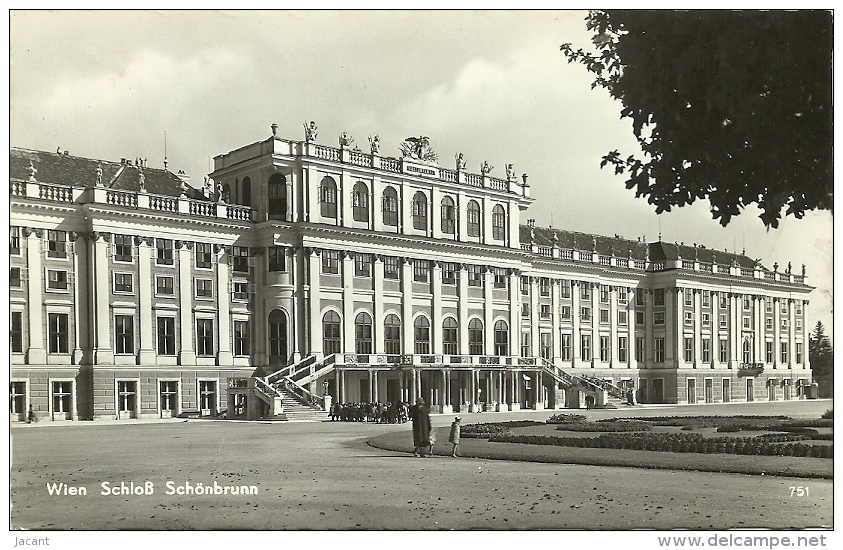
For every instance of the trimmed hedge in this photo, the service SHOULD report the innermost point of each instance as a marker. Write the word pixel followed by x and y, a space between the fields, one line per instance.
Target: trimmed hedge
pixel 829 414
pixel 483 431
pixel 561 418
pixel 624 426
pixel 676 443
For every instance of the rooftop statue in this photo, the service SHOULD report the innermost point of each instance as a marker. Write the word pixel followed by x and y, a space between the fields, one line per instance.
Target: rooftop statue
pixel 141 181
pixel 346 140
pixel 418 148
pixel 485 168
pixel 98 180
pixel 460 162
pixel 310 132
pixel 510 173
pixel 375 144
pixel 32 171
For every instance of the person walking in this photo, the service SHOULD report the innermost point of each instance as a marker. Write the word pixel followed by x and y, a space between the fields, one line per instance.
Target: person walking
pixel 454 436
pixel 420 416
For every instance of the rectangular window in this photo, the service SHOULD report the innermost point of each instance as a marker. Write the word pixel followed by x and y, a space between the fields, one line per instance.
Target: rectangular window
pixel 124 334
pixel 277 258
pixel 362 265
pixel 658 350
pixel 622 349
pixel 14 240
pixel 689 297
pixel 123 248
pixel 500 277
pixel 639 296
pixel 123 283
pixel 768 323
pixel 564 288
pixel 526 345
pixel 472 219
pixel 585 347
pixel 239 290
pixel 62 397
pixel 525 309
pixel 544 286
pixel 203 255
pixel 622 318
pixel 723 321
pixel 639 317
pixel 604 294
pixel 747 322
pixel 57 244
pixel 724 350
pixel 639 349
pixel 204 288
pixel 768 304
pixel 328 199
pixel 56 279
pixel 622 297
pixel 17 401
pixel 241 338
pixel 208 396
pixel 166 336
pixel 16 332
pixel 799 351
pixel 331 262
pixel 421 271
pixel 658 297
pixel 724 301
pixel 798 325
pixel 689 318
pixel 544 311
pixel 784 324
pixel 240 259
pixel 391 267
pixel 783 352
pixel 605 354
pixel 746 303
pixel 475 275
pixel 658 317
pixel 14 277
pixel 769 352
pixel 163 251
pixel 604 315
pixel 525 285
pixel 163 286
pixel 449 273
pixel 565 312
pixel 798 308
pixel 706 319
pixel 585 291
pixel 204 337
pixel 689 349
pixel 498 224
pixel 585 313
pixel 566 347
pixel 706 350
pixel 706 298
pixel 784 307
pixel 545 345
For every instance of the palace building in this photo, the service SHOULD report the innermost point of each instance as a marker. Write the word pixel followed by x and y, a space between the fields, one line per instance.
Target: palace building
pixel 306 274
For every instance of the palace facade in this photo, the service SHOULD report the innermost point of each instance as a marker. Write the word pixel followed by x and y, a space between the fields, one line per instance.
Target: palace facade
pixel 303 272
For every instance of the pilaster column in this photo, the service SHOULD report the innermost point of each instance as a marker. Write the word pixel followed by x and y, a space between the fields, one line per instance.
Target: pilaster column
pixel 649 356
pixel 595 322
pixel 37 353
pixel 436 213
pixel 777 330
pixel 80 298
pixel 631 327
pixel 315 303
pixel 806 362
pixel 576 336
pixel 735 332
pixel 791 334
pixel 613 327
pixel 674 329
pixel 486 220
pixel 375 392
pixel 297 309
pixel 535 318
pixel 488 312
pixel 406 201
pixel 187 351
pixel 258 322
pixel 758 328
pixel 145 313
pixel 462 297
pixel 514 313
pixel 698 329
pixel 555 337
pixel 348 303
pixel 224 356
pixel 346 186
pixel 104 353
pixel 377 322
pixel 436 321
pixel 407 306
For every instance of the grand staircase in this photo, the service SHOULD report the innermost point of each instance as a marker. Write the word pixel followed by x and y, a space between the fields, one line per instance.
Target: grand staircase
pixel 296 411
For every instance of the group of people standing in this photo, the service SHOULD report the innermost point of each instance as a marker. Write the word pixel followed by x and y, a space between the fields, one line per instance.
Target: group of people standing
pixel 383 413
pixel 423 436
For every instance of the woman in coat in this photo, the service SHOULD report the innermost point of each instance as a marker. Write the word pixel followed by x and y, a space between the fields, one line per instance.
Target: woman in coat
pixel 420 415
pixel 454 436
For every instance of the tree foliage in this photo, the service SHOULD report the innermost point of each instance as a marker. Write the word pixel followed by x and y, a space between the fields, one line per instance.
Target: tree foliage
pixel 820 352
pixel 732 106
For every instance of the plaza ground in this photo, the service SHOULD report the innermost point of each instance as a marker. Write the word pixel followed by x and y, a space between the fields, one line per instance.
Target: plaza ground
pixel 324 475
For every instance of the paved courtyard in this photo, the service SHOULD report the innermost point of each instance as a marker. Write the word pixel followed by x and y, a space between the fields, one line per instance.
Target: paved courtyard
pixel 323 475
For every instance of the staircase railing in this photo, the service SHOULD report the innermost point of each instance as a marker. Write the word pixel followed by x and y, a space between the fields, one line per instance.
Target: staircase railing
pixel 315 372
pixel 585 382
pixel 301 394
pixel 290 370
pixel 611 389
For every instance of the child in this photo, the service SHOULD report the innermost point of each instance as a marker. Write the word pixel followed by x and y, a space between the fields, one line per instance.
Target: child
pixel 454 436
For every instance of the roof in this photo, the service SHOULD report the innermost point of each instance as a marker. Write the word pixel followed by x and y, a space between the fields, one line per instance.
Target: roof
pixel 65 169
pixel 625 248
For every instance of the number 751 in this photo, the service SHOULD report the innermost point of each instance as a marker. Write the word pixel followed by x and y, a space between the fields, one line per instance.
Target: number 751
pixel 799 491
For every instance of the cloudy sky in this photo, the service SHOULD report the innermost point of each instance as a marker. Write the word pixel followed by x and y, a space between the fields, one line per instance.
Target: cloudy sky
pixel 492 85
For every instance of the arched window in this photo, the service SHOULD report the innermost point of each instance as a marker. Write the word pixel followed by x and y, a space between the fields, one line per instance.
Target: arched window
pixel 421 332
pixel 475 337
pixel 392 335
pixel 501 338
pixel 390 207
pixel 747 351
pixel 277 337
pixel 473 219
pixel 360 202
pixel 498 223
pixel 363 333
pixel 247 191
pixel 449 216
pixel 332 342
pixel 328 197
pixel 226 193
pixel 277 196
pixel 449 336
pixel 420 211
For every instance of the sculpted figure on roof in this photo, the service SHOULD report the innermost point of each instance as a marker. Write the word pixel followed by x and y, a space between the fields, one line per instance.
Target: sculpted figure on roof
pixel 310 132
